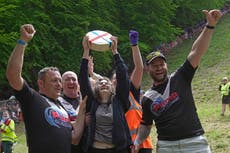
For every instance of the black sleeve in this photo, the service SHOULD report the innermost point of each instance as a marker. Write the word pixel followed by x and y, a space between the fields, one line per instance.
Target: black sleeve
pixel 220 88
pixel 25 94
pixel 187 71
pixel 122 88
pixel 84 82
pixel 147 118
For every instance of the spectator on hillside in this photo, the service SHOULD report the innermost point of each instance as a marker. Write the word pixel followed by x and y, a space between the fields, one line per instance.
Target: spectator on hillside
pixel 12 97
pixel 224 89
pixel 170 102
pixel 13 107
pixel 47 124
pixel 8 132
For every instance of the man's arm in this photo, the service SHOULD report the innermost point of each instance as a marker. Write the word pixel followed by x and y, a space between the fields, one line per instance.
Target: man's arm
pixel 201 44
pixel 142 134
pixel 85 44
pixel 15 63
pixel 92 74
pixel 136 76
pixel 79 124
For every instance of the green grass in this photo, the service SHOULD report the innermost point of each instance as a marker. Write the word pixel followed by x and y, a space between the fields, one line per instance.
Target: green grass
pixel 214 65
pixel 20 146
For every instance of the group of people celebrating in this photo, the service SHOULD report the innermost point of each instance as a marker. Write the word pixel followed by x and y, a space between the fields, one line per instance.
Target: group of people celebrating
pixel 105 115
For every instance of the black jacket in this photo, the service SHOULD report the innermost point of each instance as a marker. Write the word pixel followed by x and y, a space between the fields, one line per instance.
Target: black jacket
pixel 120 132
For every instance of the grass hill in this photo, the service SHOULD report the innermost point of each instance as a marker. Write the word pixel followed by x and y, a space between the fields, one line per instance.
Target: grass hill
pixel 214 65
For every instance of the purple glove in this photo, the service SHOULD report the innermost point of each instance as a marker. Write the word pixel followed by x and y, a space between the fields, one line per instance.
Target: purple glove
pixel 133 37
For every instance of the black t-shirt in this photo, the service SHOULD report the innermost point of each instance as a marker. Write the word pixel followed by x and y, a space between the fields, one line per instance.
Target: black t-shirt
pixel 171 105
pixel 47 124
pixel 73 101
pixel 70 105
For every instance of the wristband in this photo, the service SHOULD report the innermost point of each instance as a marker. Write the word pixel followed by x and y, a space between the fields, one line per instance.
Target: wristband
pixel 210 27
pixel 21 42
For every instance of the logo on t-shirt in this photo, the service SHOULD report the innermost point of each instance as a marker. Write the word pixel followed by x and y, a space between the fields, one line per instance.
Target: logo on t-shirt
pixel 69 109
pixel 159 104
pixel 56 118
pixel 56 115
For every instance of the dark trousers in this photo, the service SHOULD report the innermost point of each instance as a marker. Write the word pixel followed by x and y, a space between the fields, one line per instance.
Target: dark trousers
pixel 7 146
pixel 145 151
pixel 95 150
pixel 76 149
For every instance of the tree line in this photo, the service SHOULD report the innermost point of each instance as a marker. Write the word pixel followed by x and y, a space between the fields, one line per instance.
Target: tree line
pixel 60 26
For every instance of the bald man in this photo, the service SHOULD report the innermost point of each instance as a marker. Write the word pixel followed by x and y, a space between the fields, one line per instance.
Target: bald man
pixel 70 99
pixel 71 93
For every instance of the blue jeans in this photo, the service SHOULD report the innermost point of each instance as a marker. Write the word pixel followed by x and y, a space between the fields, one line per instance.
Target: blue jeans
pixel 196 144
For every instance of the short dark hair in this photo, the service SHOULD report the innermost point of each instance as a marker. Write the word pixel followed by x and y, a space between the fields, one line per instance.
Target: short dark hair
pixel 42 72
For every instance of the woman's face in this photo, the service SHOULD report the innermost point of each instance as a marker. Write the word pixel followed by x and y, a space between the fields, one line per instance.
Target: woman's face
pixel 104 86
pixel 103 90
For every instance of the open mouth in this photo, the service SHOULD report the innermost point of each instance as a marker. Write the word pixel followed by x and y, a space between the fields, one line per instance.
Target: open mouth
pixel 104 88
pixel 70 87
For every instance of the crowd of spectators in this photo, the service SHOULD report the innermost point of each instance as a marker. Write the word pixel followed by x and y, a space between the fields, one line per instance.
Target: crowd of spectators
pixel 13 108
pixel 189 33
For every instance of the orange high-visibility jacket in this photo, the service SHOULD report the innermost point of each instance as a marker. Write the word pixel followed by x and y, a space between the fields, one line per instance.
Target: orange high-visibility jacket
pixel 133 118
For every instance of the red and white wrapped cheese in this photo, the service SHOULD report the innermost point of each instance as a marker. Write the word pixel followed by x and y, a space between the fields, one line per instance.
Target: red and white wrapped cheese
pixel 99 40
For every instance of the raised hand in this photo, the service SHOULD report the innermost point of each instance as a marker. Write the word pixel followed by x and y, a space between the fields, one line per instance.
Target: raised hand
pixel 90 65
pixel 78 125
pixel 114 44
pixel 27 32
pixel 133 37
pixel 212 16
pixel 85 43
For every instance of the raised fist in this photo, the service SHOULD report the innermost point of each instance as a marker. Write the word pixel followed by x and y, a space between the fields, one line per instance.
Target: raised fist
pixel 212 16
pixel 133 37
pixel 27 32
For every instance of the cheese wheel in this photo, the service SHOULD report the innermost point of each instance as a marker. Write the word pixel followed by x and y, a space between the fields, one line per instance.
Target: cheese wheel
pixel 99 40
